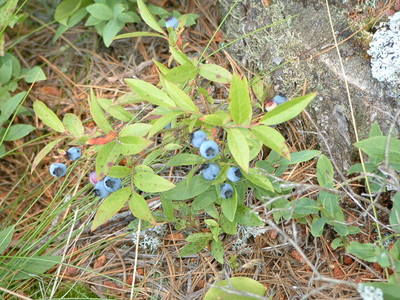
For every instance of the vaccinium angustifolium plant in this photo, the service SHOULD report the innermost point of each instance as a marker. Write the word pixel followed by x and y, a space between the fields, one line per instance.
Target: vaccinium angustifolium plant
pixel 124 148
pixel 234 174
pixel 210 171
pixel 209 149
pixel 74 153
pixel 198 137
pixel 226 191
pixel 58 169
pixel 112 184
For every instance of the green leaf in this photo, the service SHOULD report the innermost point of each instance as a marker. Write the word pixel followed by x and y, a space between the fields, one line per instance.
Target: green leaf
pixel 146 181
pixel 34 74
pixel 188 188
pixel 137 34
pixel 110 30
pixel 226 225
pixel 304 207
pixel 181 74
pixel 47 116
pixel 147 17
pixel 181 99
pixel 197 242
pixel 219 118
pixel 215 73
pixel 317 226
pixel 302 156
pixel 238 286
pixel 110 206
pixel 272 138
pixel 65 9
pixel 100 11
pixel 246 217
pixel 150 93
pixel 367 251
pixel 179 56
pixel 5 238
pixel 131 145
pixel 73 125
pixel 240 103
pixel 287 110
pixel 160 123
pixel 6 71
pixel 185 159
pixel 140 209
pixel 42 153
pixel 325 171
pixel 119 171
pixel 9 106
pixel 98 114
pixel 107 155
pixel 229 206
pixel 217 250
pixel 116 111
pixel 18 131
pixel 330 203
pixel 394 218
pixel 204 200
pixel 34 265
pixel 239 148
pixel 376 146
pixel 258 177
pixel 137 129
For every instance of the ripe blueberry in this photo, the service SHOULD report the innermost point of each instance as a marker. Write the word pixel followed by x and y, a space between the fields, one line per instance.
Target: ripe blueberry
pixel 172 23
pixel 226 191
pixel 198 137
pixel 100 190
pixel 210 171
pixel 112 184
pixel 74 153
pixel 58 169
pixel 234 174
pixel 279 99
pixel 209 149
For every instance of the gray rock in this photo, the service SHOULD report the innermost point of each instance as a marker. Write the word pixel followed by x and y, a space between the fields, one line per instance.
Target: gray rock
pixel 305 44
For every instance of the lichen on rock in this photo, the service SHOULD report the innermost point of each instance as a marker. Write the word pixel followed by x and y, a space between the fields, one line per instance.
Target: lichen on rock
pixel 385 52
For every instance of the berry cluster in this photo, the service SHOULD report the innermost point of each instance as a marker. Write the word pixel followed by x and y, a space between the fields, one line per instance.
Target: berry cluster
pixel 209 150
pixel 101 189
pixel 60 169
pixel 105 187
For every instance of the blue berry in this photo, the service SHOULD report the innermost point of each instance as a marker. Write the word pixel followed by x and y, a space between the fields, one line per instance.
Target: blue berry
pixel 172 23
pixel 58 169
pixel 168 126
pixel 234 174
pixel 198 137
pixel 100 190
pixel 279 99
pixel 112 184
pixel 209 149
pixel 210 171
pixel 74 153
pixel 226 191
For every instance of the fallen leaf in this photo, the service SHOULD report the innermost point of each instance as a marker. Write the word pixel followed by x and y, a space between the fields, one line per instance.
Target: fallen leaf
pixel 100 262
pixel 175 237
pixel 49 90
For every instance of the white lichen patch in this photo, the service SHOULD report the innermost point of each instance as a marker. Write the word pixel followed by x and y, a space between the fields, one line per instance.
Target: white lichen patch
pixel 244 233
pixel 369 292
pixel 150 239
pixel 385 52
